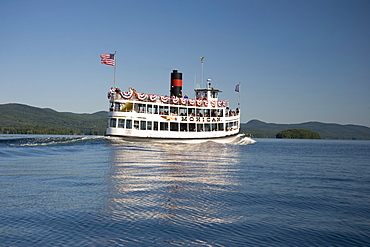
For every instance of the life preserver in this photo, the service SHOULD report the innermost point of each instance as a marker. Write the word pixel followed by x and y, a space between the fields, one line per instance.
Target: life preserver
pixel 224 103
pixel 205 103
pixel 219 103
pixel 213 103
pixel 164 99
pixel 141 96
pixel 153 97
pixel 199 102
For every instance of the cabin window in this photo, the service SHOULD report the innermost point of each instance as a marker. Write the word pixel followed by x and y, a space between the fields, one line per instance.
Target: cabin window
pixel 121 123
pixel 174 126
pixel 163 125
pixel 141 108
pixel 200 127
pixel 220 113
pixel 214 126
pixel 221 126
pixel 207 127
pixel 149 125
pixel 231 126
pixel 191 126
pixel 135 107
pixel 143 125
pixel 213 113
pixel 191 112
pixel 150 109
pixel 128 124
pixel 183 112
pixel 206 112
pixel 117 107
pixel 155 125
pixel 163 110
pixel 200 95
pixel 155 108
pixel 112 123
pixel 136 124
pixel 174 111
pixel 199 112
pixel 214 94
pixel 183 127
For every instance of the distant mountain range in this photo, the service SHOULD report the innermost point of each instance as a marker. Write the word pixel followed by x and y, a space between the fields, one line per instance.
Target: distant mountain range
pixel 326 130
pixel 24 119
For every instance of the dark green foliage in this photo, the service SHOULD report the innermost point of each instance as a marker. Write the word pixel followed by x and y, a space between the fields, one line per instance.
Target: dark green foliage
pixel 327 131
pixel 23 119
pixel 298 134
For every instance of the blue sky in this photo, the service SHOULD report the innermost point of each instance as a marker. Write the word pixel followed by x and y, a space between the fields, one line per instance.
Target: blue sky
pixel 297 60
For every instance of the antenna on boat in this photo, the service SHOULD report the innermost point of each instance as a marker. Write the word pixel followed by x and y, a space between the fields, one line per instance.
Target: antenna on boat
pixel 115 65
pixel 201 75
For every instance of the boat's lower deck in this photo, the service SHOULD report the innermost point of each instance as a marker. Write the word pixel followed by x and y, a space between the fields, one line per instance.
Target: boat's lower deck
pixel 170 130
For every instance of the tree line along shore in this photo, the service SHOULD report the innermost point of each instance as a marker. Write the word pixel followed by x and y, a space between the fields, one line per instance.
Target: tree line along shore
pixel 24 119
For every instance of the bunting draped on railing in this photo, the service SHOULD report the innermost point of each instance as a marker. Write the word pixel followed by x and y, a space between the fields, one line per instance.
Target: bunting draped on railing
pixel 168 99
pixel 126 95
pixel 141 96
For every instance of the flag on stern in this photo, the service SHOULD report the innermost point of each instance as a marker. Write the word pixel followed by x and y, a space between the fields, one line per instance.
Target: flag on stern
pixel 108 59
pixel 237 87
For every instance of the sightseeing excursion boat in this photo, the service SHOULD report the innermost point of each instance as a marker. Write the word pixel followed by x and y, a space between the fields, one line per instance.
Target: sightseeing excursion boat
pixel 135 115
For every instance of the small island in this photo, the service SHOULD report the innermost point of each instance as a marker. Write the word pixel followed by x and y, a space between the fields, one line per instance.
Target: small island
pixel 298 134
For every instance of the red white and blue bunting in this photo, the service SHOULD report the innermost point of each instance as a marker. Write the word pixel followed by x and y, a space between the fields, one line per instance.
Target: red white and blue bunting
pixel 183 101
pixel 141 96
pixel 175 99
pixel 191 101
pixel 164 99
pixel 168 99
pixel 126 95
pixel 153 97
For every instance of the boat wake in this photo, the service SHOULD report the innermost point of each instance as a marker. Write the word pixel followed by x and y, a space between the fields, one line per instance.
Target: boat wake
pixel 42 140
pixel 240 139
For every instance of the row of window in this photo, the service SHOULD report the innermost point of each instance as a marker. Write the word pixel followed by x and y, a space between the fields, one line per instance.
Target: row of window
pixel 170 110
pixel 171 126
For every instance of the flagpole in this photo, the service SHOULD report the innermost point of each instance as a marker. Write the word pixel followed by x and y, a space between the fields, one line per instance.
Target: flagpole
pixel 115 65
pixel 239 95
pixel 202 71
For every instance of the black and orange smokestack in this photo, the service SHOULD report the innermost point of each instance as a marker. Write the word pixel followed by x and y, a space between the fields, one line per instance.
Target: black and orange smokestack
pixel 176 84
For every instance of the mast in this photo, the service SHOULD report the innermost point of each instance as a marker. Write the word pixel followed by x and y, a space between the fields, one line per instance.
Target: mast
pixel 201 74
pixel 115 65
pixel 239 95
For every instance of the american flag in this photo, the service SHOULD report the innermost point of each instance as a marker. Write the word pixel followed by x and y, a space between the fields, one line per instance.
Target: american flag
pixel 108 59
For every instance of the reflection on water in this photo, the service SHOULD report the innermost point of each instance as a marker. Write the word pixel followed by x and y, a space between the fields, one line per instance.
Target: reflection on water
pixel 172 183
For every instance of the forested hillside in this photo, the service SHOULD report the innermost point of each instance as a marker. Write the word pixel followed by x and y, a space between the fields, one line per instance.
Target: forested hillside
pixel 327 131
pixel 24 119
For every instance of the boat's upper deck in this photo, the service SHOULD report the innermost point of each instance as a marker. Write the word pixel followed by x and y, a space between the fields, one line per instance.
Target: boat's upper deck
pixel 205 98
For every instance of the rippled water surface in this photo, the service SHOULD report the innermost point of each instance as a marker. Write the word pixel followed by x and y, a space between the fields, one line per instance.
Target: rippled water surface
pixel 97 191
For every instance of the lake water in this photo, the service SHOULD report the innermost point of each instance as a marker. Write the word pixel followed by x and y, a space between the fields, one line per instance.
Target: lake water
pixel 97 191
